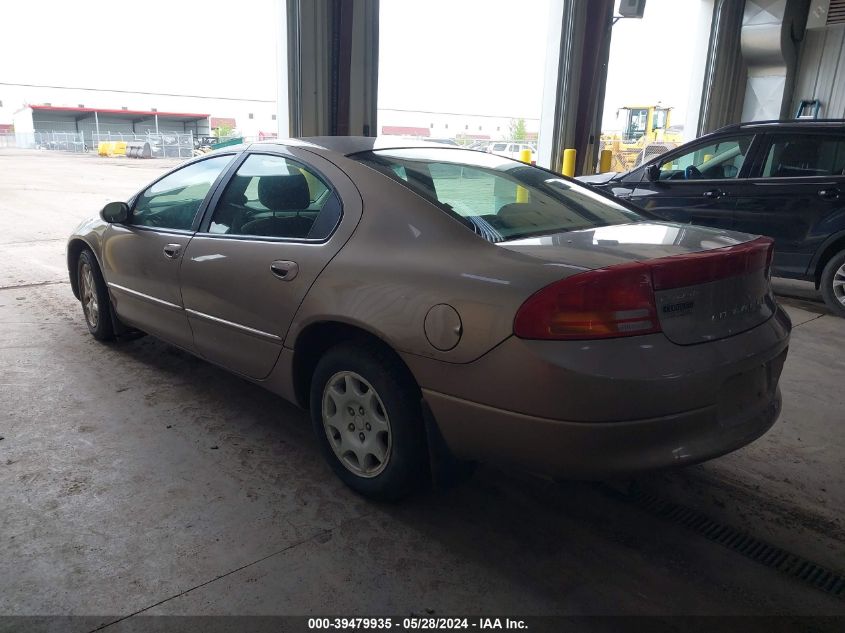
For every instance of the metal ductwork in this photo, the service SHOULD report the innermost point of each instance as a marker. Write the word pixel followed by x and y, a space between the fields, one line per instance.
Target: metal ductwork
pixel 771 33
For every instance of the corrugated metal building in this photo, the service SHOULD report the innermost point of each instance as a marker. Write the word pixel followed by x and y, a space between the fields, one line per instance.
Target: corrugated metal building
pixel 821 66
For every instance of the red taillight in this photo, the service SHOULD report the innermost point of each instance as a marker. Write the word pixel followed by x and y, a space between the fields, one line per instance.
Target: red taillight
pixel 604 303
pixel 619 300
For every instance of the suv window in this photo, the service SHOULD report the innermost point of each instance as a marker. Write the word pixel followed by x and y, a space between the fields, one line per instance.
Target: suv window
pixel 173 201
pixel 798 155
pixel 716 161
pixel 273 196
pixel 497 198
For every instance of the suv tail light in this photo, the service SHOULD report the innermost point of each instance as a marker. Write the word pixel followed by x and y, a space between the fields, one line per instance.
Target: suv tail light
pixel 619 300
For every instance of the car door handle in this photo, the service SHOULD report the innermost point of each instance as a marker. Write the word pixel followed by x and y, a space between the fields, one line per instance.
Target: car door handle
pixel 171 251
pixel 284 269
pixel 829 194
pixel 713 193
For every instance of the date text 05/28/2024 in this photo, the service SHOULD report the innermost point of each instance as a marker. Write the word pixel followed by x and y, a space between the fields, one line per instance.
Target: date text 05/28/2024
pixel 416 624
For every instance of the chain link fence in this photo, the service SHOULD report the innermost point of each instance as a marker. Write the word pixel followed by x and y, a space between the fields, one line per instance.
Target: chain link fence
pixel 162 145
pixel 59 141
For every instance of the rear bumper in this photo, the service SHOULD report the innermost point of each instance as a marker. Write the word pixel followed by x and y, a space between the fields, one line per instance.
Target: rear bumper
pixel 598 409
pixel 583 450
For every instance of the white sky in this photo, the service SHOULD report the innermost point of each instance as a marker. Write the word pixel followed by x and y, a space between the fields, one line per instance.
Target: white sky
pixel 205 47
pixel 463 56
pixel 488 56
pixel 467 56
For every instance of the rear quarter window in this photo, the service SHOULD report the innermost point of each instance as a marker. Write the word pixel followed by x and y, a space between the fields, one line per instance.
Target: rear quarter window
pixel 804 155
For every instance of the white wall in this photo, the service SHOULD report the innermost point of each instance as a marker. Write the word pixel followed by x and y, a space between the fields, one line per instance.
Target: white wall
pixel 446 125
pixel 22 120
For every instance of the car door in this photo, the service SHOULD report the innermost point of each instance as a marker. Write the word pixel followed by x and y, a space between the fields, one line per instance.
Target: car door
pixel 141 258
pixel 697 184
pixel 798 185
pixel 267 235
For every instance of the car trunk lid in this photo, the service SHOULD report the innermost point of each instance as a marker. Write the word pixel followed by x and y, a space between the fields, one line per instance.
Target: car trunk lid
pixel 714 294
pixel 707 284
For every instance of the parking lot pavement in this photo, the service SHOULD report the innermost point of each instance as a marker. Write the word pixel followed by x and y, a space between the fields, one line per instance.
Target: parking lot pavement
pixel 139 479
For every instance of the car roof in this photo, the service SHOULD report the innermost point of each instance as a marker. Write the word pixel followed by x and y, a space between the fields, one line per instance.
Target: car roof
pixel 784 125
pixel 347 145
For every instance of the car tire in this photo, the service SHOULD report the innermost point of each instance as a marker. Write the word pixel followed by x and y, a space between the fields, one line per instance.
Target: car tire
pixel 367 414
pixel 832 284
pixel 94 297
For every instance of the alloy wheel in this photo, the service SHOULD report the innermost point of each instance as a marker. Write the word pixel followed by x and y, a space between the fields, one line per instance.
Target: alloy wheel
pixel 356 424
pixel 89 296
pixel 839 284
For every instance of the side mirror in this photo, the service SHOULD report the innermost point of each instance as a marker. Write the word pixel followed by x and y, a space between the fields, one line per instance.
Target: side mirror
pixel 115 212
pixel 652 172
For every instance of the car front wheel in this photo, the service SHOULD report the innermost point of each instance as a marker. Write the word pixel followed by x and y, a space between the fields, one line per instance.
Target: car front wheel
pixel 832 284
pixel 94 297
pixel 366 413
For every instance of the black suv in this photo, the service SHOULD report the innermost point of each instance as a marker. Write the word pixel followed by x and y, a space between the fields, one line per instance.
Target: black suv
pixel 784 179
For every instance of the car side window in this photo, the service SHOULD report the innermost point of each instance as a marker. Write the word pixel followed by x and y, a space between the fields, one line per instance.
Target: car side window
pixel 399 170
pixel 799 155
pixel 173 201
pixel 721 160
pixel 273 196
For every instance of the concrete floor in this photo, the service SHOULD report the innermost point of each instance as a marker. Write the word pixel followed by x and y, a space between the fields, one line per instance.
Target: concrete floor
pixel 136 479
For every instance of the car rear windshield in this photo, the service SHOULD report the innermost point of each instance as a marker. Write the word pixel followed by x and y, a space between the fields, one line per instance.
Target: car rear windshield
pixel 498 198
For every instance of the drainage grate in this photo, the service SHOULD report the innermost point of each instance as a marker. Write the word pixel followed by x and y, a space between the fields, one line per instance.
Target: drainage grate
pixel 742 542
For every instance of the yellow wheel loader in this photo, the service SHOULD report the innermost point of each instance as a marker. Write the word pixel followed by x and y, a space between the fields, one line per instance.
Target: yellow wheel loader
pixel 646 134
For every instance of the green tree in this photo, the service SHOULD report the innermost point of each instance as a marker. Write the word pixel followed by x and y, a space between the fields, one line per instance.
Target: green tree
pixel 517 129
pixel 222 131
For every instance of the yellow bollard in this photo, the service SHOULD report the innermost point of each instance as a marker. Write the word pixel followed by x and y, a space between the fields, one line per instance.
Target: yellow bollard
pixel 568 163
pixel 525 156
pixel 604 161
pixel 522 192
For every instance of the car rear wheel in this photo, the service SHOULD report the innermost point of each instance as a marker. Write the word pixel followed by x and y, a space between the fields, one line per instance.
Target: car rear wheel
pixel 367 416
pixel 94 297
pixel 833 284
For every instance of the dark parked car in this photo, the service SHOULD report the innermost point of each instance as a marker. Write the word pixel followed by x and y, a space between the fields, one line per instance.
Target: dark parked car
pixel 784 179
